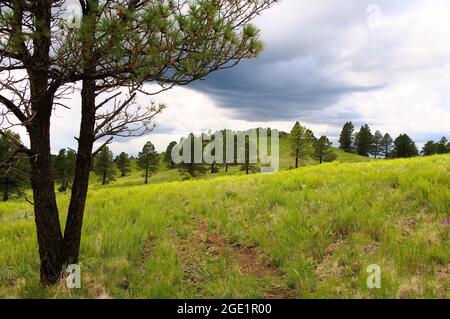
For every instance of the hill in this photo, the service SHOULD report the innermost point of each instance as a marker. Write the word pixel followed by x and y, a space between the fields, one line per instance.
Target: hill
pixel 164 174
pixel 309 232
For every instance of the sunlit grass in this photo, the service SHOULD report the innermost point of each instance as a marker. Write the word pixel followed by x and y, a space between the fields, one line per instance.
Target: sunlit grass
pixel 319 226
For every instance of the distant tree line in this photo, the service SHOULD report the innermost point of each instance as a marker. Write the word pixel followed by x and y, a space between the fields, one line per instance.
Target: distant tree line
pixel 378 145
pixel 14 175
pixel 440 147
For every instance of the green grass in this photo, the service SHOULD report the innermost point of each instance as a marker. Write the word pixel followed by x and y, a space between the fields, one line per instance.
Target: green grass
pixel 305 233
pixel 164 174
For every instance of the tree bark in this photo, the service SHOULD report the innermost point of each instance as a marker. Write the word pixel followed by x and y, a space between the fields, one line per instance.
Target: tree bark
pixel 48 227
pixel 146 175
pixel 5 195
pixel 74 224
pixel 226 168
pixel 296 158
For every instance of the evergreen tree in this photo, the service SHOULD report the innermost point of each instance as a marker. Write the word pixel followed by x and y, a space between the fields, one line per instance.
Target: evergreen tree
pixel 148 160
pixel 104 166
pixel 191 169
pixel 404 146
pixel 363 140
pixel 323 151
pixel 301 142
pixel 63 167
pixel 442 146
pixel 13 168
pixel 377 147
pixel 123 163
pixel 386 145
pixel 430 148
pixel 346 137
pixel 168 155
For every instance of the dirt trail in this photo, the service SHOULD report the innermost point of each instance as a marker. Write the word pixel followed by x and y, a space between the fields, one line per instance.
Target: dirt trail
pixel 249 258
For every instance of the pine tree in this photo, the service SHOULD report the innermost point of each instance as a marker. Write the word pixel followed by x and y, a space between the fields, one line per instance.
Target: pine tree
pixel 376 147
pixel 301 142
pixel 404 146
pixel 323 151
pixel 190 168
pixel 430 148
pixel 148 160
pixel 13 168
pixel 386 145
pixel 63 167
pixel 346 137
pixel 168 155
pixel 442 146
pixel 363 140
pixel 104 166
pixel 123 163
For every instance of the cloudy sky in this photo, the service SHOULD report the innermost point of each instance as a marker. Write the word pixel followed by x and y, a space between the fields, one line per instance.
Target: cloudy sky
pixel 385 63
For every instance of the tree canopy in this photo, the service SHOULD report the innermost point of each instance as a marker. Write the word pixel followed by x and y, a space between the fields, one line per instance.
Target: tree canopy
pixel 323 151
pixel 148 160
pixel 346 137
pixel 301 142
pixel 404 146
pixel 104 166
pixel 123 163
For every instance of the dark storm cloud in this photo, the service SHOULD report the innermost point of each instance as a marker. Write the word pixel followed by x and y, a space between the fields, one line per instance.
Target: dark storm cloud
pixel 294 77
pixel 295 95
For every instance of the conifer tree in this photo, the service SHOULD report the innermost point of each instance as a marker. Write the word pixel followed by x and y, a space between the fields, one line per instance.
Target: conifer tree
pixel 168 155
pixel 123 163
pixel 442 146
pixel 323 151
pixel 404 146
pixel 386 145
pixel 64 167
pixel 346 137
pixel 301 142
pixel 376 147
pixel 430 148
pixel 148 160
pixel 104 166
pixel 363 140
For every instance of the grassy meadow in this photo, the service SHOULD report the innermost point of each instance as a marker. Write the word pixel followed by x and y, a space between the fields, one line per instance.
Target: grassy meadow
pixel 304 233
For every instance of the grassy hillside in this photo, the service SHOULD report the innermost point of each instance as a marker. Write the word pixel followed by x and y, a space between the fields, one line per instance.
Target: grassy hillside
pixel 310 232
pixel 287 161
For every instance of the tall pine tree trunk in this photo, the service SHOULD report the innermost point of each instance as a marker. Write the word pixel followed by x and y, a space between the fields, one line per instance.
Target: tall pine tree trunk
pixel 296 158
pixel 146 175
pixel 48 227
pixel 74 224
